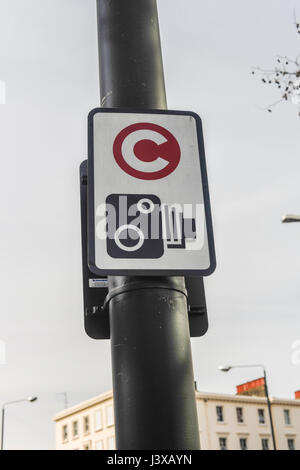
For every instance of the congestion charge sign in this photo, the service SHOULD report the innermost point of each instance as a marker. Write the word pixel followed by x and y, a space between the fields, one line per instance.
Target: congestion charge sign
pixel 147 150
pixel 148 210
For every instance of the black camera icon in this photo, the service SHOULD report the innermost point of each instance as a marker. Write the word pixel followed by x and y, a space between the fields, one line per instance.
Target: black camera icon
pixel 134 226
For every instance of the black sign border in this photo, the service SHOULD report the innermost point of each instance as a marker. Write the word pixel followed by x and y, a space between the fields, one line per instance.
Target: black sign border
pixel 91 208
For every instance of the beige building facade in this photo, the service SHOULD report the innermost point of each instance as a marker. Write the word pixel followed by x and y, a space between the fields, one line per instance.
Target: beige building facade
pixel 226 422
pixel 237 422
pixel 87 426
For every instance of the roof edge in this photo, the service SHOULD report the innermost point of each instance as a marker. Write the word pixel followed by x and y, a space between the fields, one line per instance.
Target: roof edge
pixel 83 405
pixel 246 398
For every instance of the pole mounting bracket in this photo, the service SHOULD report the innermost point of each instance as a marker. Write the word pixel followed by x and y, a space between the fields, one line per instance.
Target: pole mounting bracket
pixel 140 285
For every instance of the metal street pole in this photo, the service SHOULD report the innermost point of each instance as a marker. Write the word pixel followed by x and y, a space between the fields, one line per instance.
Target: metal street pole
pixel 153 383
pixel 2 427
pixel 228 368
pixel 269 409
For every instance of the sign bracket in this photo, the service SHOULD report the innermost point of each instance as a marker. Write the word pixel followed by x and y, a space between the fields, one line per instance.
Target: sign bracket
pixel 97 299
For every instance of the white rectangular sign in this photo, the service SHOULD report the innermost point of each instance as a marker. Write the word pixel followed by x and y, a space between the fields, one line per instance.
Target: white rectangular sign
pixel 149 210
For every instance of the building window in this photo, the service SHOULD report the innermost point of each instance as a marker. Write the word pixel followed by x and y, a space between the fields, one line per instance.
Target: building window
pixel 291 444
pixel 99 445
pixel 111 443
pixel 239 415
pixel 265 444
pixel 287 417
pixel 261 416
pixel 220 416
pixel 243 443
pixel 98 420
pixel 75 428
pixel 86 424
pixel 109 416
pixel 223 443
pixel 87 446
pixel 65 433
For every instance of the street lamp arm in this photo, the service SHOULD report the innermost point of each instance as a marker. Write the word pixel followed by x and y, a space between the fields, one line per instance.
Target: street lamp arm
pixel 248 365
pixel 290 218
pixel 13 402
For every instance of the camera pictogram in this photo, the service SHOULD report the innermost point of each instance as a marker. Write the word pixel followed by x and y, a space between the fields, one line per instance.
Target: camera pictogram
pixel 134 229
pixel 139 226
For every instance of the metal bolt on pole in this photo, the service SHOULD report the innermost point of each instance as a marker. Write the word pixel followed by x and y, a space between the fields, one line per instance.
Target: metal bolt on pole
pixel 153 383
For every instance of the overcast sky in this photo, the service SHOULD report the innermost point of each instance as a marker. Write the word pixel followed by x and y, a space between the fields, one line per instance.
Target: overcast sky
pixel 48 60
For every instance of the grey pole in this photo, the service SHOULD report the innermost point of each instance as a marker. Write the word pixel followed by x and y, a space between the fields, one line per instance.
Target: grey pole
pixel 2 427
pixel 269 410
pixel 153 383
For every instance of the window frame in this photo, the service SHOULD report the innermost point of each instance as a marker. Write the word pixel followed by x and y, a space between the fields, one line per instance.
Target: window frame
pixel 75 423
pixel 263 415
pixel 245 441
pixel 102 444
pixel 221 409
pixel 65 426
pixel 99 410
pixel 107 422
pixel 241 415
pixel 266 440
pixel 114 442
pixel 88 430
pixel 287 417
pixel 87 444
pixel 291 440
pixel 224 439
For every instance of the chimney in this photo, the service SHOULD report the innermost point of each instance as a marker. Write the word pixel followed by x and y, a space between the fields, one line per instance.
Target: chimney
pixel 297 395
pixel 253 388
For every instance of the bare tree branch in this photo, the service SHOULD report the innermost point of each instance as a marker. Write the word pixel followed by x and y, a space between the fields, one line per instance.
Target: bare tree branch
pixel 285 76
